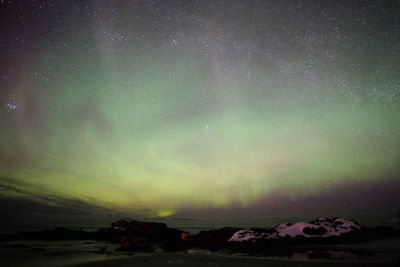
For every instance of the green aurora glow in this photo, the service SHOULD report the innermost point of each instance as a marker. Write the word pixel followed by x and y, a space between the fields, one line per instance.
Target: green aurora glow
pixel 154 119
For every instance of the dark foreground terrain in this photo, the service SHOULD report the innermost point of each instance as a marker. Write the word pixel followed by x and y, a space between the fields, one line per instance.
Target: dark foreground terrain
pixel 322 242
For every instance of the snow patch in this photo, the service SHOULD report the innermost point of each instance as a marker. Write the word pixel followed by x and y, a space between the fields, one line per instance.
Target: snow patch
pixel 321 227
pixel 247 235
pixel 119 228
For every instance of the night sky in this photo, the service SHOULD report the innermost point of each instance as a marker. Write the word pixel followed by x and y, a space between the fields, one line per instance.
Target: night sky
pixel 199 109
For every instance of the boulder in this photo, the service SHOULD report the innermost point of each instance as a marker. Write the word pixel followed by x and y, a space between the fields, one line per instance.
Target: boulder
pixel 215 239
pixel 324 230
pixel 109 234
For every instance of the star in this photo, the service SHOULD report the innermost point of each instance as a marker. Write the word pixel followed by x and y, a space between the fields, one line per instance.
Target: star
pixel 11 106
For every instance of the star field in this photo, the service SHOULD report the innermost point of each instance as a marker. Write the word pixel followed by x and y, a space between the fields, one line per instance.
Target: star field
pixel 162 108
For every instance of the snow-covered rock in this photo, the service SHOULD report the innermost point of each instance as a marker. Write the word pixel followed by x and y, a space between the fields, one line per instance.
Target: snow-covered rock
pixel 323 227
pixel 247 235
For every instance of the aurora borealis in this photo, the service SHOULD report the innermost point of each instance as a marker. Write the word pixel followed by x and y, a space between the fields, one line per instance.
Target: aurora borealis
pixel 176 108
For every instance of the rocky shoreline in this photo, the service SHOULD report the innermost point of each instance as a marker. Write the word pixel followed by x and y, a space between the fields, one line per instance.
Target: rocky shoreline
pixel 140 236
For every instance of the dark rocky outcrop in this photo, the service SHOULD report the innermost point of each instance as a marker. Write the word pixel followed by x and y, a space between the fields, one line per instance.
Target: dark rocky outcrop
pixel 314 231
pixel 148 236
pixel 132 235
pixel 324 230
pixel 108 234
pixel 144 236
pixel 214 239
